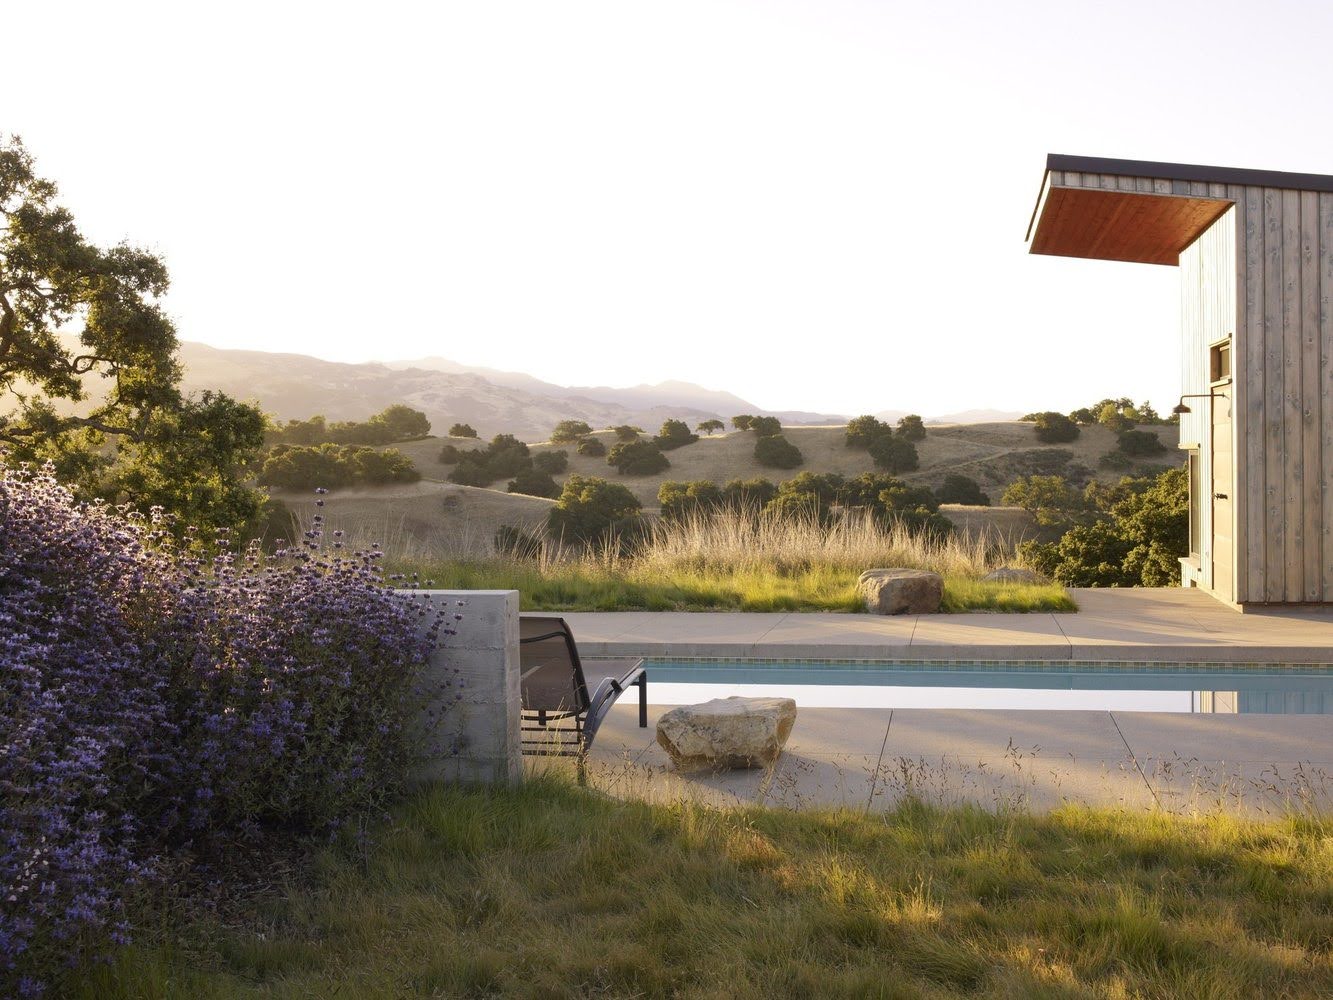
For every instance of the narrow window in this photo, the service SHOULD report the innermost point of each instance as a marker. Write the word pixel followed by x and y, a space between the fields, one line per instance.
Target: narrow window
pixel 1196 503
pixel 1219 361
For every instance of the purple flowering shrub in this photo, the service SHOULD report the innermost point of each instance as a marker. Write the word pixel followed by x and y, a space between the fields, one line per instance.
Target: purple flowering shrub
pixel 157 698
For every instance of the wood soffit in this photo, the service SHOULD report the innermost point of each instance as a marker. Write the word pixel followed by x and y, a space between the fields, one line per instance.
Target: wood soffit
pixel 1121 225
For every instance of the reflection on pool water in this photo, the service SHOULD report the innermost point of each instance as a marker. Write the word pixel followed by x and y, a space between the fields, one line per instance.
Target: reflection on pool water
pixel 1232 688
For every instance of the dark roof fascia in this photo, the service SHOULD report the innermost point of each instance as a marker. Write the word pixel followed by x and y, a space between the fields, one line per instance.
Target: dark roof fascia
pixel 1191 172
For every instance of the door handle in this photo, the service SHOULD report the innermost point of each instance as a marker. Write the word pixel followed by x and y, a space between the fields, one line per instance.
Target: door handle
pixel 1220 496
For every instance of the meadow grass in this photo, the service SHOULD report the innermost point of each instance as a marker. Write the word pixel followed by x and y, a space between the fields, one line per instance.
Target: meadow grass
pixel 737 562
pixel 549 890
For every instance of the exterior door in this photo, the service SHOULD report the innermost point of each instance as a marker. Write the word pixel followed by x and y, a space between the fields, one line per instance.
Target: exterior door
pixel 1223 543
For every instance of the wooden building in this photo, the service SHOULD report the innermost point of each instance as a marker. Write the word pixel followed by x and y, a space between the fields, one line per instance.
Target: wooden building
pixel 1255 253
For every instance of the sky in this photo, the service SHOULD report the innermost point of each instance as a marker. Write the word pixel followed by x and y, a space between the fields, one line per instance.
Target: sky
pixel 816 205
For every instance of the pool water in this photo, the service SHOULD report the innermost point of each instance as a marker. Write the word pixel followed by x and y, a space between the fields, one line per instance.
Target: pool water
pixel 1218 688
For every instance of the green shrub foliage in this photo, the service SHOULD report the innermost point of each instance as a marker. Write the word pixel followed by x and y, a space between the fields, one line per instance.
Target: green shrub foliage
pixel 569 431
pixel 749 494
pixel 912 428
pixel 535 484
pixel 389 426
pixel 776 452
pixel 864 430
pixel 551 462
pixel 1140 533
pixel 504 457
pixel 1141 443
pixel 627 432
pixel 710 426
pixel 742 421
pixel 1054 428
pixel 675 434
pixel 680 500
pixel 961 489
pixel 893 453
pixel 765 426
pixel 637 458
pixel 462 431
pixel 591 510
pixel 1050 500
pixel 295 467
pixel 592 447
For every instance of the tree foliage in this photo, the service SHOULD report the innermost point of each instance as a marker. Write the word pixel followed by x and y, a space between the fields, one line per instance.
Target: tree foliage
pixel 1140 443
pixel 864 430
pixel 776 452
pixel 710 426
pixel 962 489
pixel 592 447
pixel 675 434
pixel 627 432
pixel 569 431
pixel 1140 533
pixel 680 500
pixel 1050 500
pixel 462 431
pixel 534 483
pixel 75 318
pixel 590 510
pixel 893 453
pixel 742 421
pixel 637 458
pixel 765 426
pixel 330 466
pixel 1054 428
pixel 503 457
pixel 912 428
pixel 390 426
pixel 551 462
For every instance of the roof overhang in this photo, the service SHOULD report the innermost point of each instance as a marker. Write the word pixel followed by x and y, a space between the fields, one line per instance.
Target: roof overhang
pixel 1147 217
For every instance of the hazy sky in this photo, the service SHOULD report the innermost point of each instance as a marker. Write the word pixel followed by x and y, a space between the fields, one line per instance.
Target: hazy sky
pixel 814 204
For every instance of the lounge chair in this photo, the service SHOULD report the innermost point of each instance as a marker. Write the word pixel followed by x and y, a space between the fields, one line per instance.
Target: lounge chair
pixel 560 717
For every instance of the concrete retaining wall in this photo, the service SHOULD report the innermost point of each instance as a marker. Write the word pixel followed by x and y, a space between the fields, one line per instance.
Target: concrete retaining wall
pixel 483 728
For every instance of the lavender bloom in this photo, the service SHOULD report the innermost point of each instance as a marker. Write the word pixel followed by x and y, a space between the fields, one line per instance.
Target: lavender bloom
pixel 156 697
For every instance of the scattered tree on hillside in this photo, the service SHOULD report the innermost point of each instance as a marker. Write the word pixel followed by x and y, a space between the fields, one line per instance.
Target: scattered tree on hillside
pixel 505 456
pixel 864 430
pixel 961 489
pixel 330 466
pixel 765 426
pixel 637 458
pixel 749 494
pixel 569 431
pixel 591 509
pixel 627 432
pixel 462 431
pixel 390 426
pixel 592 447
pixel 893 453
pixel 1054 428
pixel 912 428
pixel 742 421
pixel 710 426
pixel 675 434
pixel 70 310
pixel 1141 443
pixel 551 462
pixel 776 452
pixel 534 483
pixel 680 500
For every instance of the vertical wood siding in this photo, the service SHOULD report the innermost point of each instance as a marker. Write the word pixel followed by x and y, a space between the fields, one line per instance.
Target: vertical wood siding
pixel 1281 243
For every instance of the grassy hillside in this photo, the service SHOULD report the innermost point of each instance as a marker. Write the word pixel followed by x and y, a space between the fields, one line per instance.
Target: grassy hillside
pixel 437 519
pixel 994 454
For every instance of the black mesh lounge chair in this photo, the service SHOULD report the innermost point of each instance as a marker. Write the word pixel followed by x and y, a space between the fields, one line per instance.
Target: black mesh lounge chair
pixel 564 703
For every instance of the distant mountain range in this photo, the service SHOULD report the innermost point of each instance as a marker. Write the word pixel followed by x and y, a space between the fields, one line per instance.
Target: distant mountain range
pixel 297 386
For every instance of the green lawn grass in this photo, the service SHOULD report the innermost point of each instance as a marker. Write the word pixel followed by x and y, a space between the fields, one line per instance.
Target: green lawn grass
pixel 549 890
pixel 586 587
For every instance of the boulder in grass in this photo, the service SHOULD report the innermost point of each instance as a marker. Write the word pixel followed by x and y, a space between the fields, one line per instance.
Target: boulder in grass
pixel 1010 574
pixel 901 591
pixel 727 732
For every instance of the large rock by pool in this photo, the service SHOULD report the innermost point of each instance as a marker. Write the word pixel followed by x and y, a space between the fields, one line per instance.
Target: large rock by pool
pixel 727 732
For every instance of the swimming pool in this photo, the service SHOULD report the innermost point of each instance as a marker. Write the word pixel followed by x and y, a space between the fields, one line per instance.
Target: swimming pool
pixel 1296 689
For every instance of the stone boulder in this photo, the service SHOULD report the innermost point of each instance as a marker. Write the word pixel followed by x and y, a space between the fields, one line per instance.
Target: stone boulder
pixel 1010 574
pixel 727 732
pixel 901 591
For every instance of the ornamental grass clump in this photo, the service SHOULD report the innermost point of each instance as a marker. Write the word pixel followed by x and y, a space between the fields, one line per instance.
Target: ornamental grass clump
pixel 160 700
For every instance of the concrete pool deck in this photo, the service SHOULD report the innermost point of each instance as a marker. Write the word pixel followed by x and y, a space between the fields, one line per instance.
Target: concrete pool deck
pixel 868 758
pixel 1169 625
